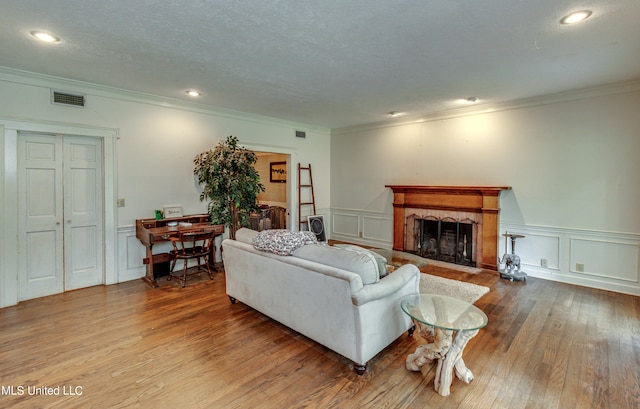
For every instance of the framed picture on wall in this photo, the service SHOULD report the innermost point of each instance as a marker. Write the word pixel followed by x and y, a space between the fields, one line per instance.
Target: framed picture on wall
pixel 278 172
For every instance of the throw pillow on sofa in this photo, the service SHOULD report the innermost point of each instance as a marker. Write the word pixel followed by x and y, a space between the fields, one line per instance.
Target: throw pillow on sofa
pixel 282 242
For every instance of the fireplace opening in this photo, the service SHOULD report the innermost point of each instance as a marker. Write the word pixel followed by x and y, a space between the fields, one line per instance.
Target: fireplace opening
pixel 443 239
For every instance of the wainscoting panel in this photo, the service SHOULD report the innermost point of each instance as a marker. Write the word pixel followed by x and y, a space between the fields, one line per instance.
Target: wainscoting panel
pixel 614 260
pixel 530 247
pixel 362 227
pixel 135 253
pixel 345 225
pixel 130 255
pixel 376 228
pixel 605 260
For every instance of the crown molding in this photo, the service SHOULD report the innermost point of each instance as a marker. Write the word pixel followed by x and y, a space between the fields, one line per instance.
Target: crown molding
pixel 46 81
pixel 565 96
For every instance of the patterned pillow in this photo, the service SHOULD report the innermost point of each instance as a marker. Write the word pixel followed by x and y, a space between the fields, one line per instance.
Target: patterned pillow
pixel 281 241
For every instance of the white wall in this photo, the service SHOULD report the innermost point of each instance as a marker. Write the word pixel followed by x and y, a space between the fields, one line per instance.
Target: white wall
pixel 157 140
pixel 573 167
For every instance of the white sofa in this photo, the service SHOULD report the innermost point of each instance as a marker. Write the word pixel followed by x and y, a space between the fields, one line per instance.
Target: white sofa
pixel 328 294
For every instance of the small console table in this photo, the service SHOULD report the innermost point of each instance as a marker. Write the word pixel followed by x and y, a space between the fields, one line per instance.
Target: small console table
pixel 151 231
pixel 437 317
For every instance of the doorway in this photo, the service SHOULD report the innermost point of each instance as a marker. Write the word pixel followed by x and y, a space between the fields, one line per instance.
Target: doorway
pixel 60 216
pixel 273 171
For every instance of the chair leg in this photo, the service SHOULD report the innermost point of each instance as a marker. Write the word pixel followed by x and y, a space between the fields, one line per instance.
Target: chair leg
pixel 199 266
pixel 206 263
pixel 173 264
pixel 184 274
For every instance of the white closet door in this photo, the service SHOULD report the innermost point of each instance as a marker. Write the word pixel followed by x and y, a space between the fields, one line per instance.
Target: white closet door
pixel 40 259
pixel 83 243
pixel 60 226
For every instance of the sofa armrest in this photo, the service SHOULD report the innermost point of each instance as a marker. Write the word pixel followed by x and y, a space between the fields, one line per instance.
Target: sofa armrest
pixel 388 285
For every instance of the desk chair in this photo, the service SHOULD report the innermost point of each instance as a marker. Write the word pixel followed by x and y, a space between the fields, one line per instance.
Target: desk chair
pixel 188 246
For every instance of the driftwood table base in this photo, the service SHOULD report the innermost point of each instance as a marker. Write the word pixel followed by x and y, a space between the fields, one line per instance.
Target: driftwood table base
pixel 447 350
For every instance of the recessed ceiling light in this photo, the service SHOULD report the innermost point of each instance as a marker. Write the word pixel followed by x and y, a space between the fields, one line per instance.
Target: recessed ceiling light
pixel 193 93
pixel 468 100
pixel 46 37
pixel 575 17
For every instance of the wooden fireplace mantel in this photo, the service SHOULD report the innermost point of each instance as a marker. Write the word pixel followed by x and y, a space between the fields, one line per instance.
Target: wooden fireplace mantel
pixel 477 199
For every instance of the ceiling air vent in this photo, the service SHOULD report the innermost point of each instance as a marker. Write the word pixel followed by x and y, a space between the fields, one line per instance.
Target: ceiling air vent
pixel 64 98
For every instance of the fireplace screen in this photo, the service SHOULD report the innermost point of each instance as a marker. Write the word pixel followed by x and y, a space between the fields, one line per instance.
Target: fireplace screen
pixel 444 239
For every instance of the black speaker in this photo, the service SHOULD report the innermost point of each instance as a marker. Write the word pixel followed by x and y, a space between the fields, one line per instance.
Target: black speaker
pixel 316 225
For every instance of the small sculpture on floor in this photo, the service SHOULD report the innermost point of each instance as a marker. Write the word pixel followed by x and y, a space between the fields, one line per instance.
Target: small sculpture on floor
pixel 510 263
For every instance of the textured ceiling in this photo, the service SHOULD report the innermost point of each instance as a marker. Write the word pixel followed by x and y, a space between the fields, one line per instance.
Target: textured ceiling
pixel 330 63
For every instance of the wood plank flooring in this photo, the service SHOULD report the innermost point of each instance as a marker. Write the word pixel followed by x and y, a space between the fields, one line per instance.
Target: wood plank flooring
pixel 547 345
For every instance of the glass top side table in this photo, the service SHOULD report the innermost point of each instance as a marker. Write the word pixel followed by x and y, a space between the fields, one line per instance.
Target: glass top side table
pixel 437 317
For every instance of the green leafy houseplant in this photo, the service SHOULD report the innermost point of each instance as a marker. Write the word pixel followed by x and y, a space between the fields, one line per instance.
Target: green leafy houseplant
pixel 231 183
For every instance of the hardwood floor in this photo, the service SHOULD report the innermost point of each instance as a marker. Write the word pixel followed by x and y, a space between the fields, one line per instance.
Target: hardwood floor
pixel 547 345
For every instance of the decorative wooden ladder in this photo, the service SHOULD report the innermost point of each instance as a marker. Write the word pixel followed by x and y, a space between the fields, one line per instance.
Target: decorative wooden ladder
pixel 308 192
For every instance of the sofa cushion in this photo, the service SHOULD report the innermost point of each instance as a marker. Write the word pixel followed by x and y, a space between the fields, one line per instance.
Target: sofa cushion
pixel 381 261
pixel 282 242
pixel 245 235
pixel 362 264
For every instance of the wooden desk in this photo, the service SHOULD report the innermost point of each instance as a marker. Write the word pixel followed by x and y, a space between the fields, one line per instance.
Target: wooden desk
pixel 152 231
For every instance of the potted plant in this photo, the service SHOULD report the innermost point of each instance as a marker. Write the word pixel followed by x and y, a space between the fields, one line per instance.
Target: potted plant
pixel 231 183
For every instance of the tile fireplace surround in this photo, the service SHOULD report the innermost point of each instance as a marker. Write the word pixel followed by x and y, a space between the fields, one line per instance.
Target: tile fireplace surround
pixel 484 201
